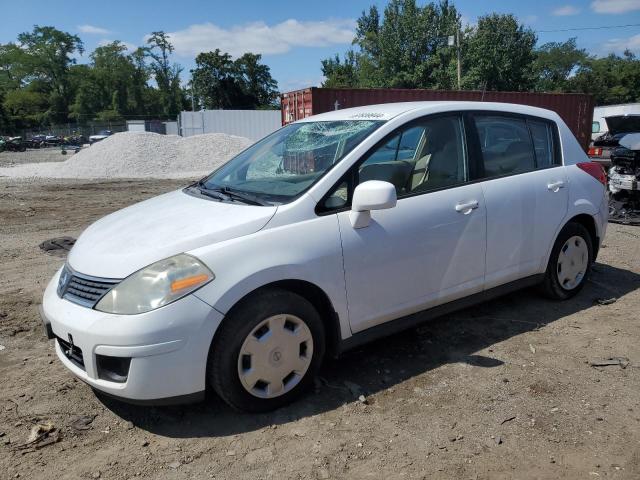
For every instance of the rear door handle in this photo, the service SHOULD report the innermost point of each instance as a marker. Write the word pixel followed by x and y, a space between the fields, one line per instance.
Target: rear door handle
pixel 555 186
pixel 467 207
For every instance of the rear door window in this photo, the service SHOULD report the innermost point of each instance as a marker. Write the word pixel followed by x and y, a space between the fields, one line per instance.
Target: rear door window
pixel 505 145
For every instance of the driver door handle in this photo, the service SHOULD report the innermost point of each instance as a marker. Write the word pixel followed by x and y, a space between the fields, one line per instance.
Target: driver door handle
pixel 467 207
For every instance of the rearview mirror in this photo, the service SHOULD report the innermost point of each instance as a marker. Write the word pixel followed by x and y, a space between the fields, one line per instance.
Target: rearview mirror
pixel 371 195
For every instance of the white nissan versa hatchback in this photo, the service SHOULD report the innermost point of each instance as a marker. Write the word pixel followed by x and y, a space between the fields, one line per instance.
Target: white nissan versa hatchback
pixel 332 231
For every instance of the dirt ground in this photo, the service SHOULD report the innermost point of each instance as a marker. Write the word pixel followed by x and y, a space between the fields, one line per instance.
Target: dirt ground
pixel 503 390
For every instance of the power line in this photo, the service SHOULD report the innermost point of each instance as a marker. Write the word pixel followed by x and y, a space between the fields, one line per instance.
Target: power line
pixel 588 28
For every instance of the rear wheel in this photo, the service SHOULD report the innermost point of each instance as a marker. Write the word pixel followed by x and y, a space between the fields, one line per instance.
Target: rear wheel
pixel 267 351
pixel 570 262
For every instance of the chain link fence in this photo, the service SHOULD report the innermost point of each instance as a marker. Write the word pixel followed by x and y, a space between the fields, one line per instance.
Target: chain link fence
pixel 69 129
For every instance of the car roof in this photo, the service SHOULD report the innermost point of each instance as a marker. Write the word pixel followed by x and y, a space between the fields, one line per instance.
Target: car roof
pixel 387 111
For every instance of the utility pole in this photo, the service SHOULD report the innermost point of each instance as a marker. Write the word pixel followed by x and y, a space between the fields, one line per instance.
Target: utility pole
pixel 458 47
pixel 193 102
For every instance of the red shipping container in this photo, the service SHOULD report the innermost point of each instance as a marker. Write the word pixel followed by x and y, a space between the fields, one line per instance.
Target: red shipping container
pixel 576 109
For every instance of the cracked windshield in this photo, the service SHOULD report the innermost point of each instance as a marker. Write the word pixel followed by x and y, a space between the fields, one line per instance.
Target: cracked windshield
pixel 283 165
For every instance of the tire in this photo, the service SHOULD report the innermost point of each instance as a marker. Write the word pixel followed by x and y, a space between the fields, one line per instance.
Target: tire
pixel 565 277
pixel 234 370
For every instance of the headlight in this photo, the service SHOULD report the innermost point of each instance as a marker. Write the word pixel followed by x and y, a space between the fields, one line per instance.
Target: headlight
pixel 156 285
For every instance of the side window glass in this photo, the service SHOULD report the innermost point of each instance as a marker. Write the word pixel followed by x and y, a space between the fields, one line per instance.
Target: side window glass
pixel 595 127
pixel 387 152
pixel 430 155
pixel 542 142
pixel 337 199
pixel 505 144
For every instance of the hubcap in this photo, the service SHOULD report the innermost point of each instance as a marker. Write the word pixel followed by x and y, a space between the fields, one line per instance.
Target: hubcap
pixel 572 262
pixel 275 356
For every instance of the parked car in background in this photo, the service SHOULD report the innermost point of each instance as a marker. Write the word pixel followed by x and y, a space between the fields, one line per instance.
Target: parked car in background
pixel 600 126
pixel 333 231
pixel 101 135
pixel 624 180
pixel 12 144
pixel 617 127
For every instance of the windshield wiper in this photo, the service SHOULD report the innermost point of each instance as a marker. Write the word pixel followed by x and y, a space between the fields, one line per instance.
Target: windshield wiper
pixel 203 190
pixel 245 197
pixel 226 193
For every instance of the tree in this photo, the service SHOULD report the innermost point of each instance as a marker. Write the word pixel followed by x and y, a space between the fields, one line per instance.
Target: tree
pixel 48 57
pixel 555 63
pixel 407 48
pixel 612 79
pixel 259 87
pixel 340 74
pixel 167 75
pixel 221 82
pixel 499 55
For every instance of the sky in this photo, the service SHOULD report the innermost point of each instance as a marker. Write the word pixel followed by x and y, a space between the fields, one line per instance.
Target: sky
pixel 294 36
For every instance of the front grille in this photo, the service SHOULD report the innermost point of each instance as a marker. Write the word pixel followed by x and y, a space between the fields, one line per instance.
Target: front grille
pixel 83 289
pixel 73 353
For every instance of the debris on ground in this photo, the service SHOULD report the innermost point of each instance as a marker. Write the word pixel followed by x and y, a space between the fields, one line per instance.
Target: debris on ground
pixel 55 245
pixel 623 362
pixel 83 422
pixel 606 301
pixel 41 435
pixel 507 420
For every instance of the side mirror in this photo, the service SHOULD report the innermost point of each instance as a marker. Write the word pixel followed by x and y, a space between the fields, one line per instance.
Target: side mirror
pixel 371 195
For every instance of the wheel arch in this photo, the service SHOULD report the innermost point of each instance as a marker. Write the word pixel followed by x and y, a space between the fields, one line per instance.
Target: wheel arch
pixel 588 221
pixel 314 295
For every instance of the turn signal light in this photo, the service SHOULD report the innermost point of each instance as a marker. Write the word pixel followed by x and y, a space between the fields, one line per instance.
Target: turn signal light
pixel 188 282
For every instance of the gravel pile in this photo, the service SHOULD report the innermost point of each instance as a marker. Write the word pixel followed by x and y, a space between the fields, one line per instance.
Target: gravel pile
pixel 140 155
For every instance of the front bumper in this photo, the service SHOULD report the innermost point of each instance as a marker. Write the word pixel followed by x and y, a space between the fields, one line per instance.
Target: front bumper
pixel 164 351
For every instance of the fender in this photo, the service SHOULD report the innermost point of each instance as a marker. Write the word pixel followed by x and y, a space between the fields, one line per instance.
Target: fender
pixel 281 273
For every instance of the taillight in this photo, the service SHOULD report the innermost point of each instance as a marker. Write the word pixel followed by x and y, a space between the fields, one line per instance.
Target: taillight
pixel 595 170
pixel 595 152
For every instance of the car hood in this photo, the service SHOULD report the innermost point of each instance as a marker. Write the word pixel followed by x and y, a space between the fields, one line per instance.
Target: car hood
pixel 130 239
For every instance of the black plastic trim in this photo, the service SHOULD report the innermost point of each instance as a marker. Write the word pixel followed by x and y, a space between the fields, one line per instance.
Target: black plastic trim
pixel 48 331
pixel 415 319
pixel 195 397
pixel 103 284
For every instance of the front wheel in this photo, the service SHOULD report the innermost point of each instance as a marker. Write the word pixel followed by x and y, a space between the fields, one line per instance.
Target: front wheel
pixel 570 262
pixel 267 351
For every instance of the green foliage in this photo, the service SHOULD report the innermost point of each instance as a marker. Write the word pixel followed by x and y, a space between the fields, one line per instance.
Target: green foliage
pixel 340 73
pixel 555 64
pixel 612 79
pixel 48 58
pixel 218 81
pixel 499 55
pixel 407 48
pixel 166 74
